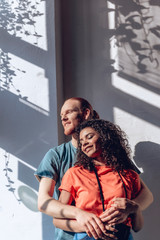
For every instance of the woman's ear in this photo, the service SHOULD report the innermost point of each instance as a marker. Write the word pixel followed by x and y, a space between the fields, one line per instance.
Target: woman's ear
pixel 86 113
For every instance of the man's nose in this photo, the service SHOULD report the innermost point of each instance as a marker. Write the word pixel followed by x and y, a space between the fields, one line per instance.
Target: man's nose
pixel 64 118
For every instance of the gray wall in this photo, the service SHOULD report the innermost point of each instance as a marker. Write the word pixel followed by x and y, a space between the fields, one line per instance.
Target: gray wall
pixel 89 71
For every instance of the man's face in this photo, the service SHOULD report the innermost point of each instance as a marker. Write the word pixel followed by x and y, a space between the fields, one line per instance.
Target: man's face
pixel 71 116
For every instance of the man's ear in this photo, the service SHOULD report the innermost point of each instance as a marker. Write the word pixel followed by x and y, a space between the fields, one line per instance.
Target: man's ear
pixel 86 113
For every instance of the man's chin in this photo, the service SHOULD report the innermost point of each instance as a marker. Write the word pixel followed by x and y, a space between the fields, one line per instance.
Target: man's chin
pixel 68 132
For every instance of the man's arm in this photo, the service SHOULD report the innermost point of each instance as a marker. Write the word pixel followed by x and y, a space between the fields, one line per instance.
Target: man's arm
pixel 145 197
pixel 137 220
pixel 46 204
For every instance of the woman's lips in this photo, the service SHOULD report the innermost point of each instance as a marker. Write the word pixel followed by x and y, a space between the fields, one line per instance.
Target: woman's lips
pixel 87 149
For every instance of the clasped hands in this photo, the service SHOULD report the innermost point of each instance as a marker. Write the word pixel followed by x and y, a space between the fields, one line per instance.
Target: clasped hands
pixel 101 227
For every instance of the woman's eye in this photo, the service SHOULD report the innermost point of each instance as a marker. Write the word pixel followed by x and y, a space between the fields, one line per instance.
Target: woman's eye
pixel 90 136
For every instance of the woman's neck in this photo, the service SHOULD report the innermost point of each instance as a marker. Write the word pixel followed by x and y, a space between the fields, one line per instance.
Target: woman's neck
pixel 98 162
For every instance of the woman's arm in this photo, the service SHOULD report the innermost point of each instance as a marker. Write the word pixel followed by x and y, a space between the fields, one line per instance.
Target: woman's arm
pixel 67 224
pixel 74 226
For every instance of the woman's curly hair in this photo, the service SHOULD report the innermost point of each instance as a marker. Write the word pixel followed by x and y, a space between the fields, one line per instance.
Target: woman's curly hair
pixel 115 147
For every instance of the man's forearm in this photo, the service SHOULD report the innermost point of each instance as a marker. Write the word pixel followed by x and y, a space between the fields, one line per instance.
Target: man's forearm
pixel 144 198
pixel 48 205
pixel 137 220
pixel 56 209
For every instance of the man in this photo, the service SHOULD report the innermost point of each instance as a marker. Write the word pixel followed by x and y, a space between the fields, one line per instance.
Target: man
pixel 52 168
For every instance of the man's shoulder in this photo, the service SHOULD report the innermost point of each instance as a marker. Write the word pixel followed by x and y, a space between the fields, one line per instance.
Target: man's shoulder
pixel 61 149
pixel 65 145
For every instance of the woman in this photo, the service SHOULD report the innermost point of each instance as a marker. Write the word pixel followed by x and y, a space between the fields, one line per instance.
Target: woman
pixel 103 171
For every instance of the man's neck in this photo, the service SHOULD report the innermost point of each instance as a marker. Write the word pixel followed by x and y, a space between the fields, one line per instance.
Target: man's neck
pixel 74 141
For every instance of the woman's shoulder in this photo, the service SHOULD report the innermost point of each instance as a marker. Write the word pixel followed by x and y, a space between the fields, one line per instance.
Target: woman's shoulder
pixel 131 173
pixel 79 170
pixel 75 169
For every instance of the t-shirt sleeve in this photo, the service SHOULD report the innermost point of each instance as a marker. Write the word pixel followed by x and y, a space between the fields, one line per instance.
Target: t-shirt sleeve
pixel 136 169
pixel 67 183
pixel 136 184
pixel 49 166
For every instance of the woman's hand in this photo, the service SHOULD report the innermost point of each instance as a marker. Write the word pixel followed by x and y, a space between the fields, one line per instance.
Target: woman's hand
pixel 119 211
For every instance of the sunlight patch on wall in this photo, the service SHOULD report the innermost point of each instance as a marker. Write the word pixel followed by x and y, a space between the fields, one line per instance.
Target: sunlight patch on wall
pixel 136 91
pixel 136 129
pixel 112 40
pixel 26 20
pixel 111 15
pixel 29 83
pixel 20 211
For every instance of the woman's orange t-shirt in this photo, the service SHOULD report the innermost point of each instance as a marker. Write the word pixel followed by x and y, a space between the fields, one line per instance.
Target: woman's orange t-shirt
pixel 83 186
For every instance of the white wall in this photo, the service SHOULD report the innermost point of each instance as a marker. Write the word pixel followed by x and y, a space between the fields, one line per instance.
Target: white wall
pixel 28 110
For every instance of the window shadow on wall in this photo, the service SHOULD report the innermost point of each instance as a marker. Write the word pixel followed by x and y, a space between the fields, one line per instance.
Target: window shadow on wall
pixel 87 62
pixel 24 131
pixel 137 39
pixel 137 34
pixel 27 131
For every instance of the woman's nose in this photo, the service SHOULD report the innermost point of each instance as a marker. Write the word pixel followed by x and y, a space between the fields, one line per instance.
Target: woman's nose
pixel 85 143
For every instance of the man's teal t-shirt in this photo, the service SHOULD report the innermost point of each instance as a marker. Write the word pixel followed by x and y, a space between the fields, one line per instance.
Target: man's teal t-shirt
pixel 54 165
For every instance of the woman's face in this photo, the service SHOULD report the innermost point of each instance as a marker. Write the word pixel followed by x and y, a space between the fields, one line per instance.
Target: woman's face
pixel 89 140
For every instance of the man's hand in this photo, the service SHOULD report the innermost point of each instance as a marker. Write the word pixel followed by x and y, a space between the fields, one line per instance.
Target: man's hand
pixel 94 226
pixel 119 211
